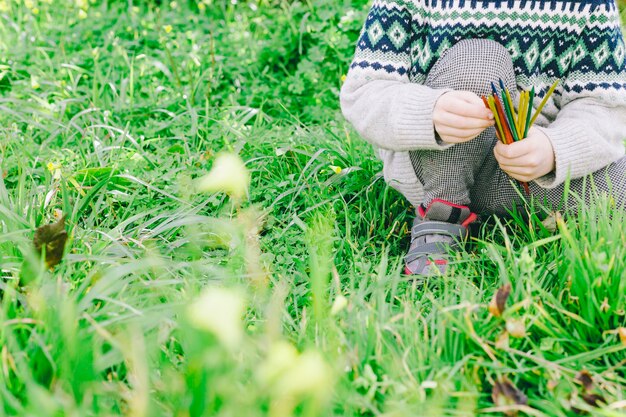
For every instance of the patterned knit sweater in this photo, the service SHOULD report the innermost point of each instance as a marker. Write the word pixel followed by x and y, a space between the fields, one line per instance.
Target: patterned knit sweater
pixel 578 42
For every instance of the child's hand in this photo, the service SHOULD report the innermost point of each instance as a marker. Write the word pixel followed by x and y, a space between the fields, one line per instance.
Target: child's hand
pixel 460 116
pixel 527 159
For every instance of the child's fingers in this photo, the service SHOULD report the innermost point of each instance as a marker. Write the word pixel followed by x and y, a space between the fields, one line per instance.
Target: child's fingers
pixel 465 103
pixel 519 171
pixel 475 111
pixel 520 162
pixel 454 135
pixel 526 167
pixel 514 150
pixel 464 109
pixel 477 104
pixel 470 97
pixel 460 122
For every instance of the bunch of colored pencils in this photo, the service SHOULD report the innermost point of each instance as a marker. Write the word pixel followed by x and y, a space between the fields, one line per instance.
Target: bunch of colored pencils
pixel 511 126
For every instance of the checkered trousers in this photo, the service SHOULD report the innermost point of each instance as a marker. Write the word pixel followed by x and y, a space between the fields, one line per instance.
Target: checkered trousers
pixel 468 173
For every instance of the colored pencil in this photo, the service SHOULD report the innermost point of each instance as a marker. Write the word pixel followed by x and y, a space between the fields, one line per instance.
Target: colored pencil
pixel 510 120
pixel 531 99
pixel 512 126
pixel 543 102
pixel 492 106
pixel 521 115
pixel 503 120
pixel 509 101
pixel 501 105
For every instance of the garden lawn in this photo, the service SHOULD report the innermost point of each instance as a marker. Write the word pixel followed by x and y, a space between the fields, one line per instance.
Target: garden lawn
pixel 170 301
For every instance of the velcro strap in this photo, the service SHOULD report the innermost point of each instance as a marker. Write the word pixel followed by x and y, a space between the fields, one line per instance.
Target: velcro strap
pixel 438 228
pixel 426 249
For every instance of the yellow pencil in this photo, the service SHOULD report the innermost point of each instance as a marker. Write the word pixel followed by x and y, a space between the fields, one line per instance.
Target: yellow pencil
pixel 492 106
pixel 543 102
pixel 521 113
pixel 511 106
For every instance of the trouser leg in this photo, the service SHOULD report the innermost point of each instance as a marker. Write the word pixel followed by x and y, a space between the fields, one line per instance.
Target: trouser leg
pixel 468 173
pixel 470 65
pixel 500 194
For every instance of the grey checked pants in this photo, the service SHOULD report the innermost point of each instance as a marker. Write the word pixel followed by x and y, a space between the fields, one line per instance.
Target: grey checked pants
pixel 468 173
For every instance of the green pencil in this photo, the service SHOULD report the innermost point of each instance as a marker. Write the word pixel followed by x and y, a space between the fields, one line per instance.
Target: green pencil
pixel 509 117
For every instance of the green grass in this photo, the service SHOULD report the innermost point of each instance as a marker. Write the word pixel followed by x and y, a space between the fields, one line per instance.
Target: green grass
pixel 110 114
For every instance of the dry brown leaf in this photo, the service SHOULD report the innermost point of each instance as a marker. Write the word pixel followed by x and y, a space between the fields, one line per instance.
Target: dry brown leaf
pixel 585 379
pixel 52 237
pixel 622 334
pixel 594 400
pixel 504 393
pixel 498 302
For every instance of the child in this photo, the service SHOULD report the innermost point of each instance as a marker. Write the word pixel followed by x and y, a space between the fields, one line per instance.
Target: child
pixel 414 87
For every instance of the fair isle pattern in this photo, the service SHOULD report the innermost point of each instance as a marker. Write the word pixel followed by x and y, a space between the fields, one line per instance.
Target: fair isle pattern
pixel 579 42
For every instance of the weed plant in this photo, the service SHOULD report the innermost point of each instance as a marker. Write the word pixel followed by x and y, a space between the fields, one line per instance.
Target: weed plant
pixel 174 302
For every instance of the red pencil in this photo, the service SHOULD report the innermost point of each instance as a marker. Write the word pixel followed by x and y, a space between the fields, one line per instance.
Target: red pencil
pixel 505 128
pixel 503 120
pixel 495 116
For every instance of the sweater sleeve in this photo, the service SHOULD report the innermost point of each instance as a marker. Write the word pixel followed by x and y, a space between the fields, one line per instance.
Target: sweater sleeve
pixel 377 97
pixel 590 127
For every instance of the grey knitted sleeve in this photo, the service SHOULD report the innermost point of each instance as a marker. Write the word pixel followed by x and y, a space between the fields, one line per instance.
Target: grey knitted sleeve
pixel 390 114
pixel 589 128
pixel 587 135
pixel 377 96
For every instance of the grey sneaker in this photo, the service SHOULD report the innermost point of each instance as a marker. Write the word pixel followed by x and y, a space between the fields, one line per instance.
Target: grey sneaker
pixel 437 229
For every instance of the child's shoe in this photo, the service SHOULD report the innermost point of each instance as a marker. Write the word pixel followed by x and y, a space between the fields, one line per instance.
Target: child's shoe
pixel 437 229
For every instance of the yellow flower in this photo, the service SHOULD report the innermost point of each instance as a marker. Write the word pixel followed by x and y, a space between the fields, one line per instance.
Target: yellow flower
pixel 516 328
pixel 429 384
pixel 280 358
pixel 229 174
pixel 201 7
pixel 310 376
pixel 55 169
pixel 336 169
pixel 289 374
pixel 137 157
pixel 219 311
pixel 343 78
pixel 167 28
pixel 339 304
pixel 34 82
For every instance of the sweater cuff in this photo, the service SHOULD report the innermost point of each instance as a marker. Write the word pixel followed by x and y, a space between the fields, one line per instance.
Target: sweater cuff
pixel 569 144
pixel 414 127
